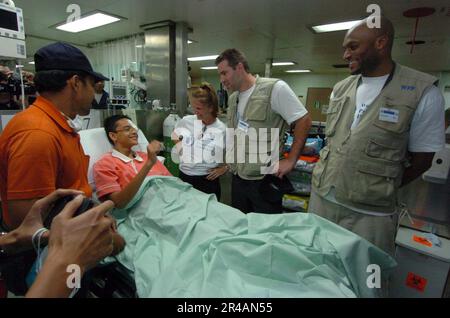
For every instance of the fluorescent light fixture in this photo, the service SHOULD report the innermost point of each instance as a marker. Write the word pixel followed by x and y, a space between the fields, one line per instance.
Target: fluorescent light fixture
pixel 141 45
pixel 202 58
pixel 282 63
pixel 133 62
pixel 88 22
pixel 298 71
pixel 209 68
pixel 32 62
pixel 335 26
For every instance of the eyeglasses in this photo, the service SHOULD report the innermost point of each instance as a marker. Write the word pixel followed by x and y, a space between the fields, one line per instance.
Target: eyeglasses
pixel 128 129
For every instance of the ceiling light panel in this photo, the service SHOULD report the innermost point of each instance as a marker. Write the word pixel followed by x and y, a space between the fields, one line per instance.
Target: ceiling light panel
pixel 88 22
pixel 335 26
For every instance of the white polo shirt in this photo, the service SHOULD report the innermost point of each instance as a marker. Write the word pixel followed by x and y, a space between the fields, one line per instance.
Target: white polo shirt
pixel 203 147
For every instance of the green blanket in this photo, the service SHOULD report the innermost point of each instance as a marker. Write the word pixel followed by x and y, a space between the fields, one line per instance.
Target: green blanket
pixel 183 243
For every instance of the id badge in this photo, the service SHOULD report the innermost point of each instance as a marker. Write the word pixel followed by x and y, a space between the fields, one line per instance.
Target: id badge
pixel 188 140
pixel 242 125
pixel 389 115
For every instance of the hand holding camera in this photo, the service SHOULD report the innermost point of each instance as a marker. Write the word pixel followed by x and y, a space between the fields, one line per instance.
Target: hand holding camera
pixel 59 205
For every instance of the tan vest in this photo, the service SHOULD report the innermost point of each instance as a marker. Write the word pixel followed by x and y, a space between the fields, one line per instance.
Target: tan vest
pixel 366 165
pixel 258 114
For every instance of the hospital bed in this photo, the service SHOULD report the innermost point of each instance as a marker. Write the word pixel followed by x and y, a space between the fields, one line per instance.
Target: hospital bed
pixel 186 244
pixel 112 280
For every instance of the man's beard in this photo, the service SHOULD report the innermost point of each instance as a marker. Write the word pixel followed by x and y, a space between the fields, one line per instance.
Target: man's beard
pixel 368 65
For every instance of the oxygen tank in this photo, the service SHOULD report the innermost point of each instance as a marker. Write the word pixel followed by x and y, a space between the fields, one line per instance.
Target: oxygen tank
pixel 168 128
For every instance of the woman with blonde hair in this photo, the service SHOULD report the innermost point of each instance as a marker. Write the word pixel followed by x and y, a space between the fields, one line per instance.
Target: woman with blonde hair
pixel 200 139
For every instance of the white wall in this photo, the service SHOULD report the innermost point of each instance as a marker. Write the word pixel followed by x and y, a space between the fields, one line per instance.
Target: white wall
pixel 298 82
pixel 208 76
pixel 301 82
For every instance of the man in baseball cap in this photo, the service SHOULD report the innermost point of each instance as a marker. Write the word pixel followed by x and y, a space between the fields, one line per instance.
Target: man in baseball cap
pixel 40 149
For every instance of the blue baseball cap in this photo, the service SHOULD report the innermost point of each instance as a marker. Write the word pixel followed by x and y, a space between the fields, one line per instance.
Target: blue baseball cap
pixel 64 57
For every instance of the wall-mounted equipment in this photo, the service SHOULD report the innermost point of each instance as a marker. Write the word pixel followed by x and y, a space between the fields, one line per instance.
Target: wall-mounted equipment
pixel 118 96
pixel 12 32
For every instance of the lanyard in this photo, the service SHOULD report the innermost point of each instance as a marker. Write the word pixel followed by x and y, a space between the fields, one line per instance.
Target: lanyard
pixel 238 116
pixel 388 80
pixel 391 75
pixel 204 127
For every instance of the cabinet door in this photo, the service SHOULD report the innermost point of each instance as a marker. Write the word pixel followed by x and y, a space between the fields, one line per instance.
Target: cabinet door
pixel 317 102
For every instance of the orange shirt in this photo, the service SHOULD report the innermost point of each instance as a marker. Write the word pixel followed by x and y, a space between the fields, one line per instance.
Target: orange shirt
pixel 114 171
pixel 40 153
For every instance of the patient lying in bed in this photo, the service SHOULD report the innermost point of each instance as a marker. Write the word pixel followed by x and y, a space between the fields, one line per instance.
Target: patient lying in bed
pixel 119 173
pixel 183 243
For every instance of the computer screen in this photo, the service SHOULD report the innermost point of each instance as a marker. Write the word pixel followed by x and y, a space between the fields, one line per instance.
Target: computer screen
pixel 8 20
pixel 119 91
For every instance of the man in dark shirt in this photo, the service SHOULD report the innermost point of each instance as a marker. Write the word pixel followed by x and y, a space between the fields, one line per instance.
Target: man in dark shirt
pixel 101 96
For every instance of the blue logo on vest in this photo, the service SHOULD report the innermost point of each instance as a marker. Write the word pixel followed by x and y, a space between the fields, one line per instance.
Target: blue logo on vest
pixel 408 88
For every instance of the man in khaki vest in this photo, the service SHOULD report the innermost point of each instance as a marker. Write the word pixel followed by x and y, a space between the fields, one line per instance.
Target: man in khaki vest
pixel 384 124
pixel 256 107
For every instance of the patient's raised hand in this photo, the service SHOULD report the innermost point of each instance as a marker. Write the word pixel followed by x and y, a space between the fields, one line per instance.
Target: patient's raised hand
pixel 152 149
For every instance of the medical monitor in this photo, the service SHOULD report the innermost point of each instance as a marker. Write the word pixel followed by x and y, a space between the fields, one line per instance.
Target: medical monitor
pixel 11 22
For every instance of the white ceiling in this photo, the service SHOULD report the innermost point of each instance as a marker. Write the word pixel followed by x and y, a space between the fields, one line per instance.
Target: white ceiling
pixel 260 28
